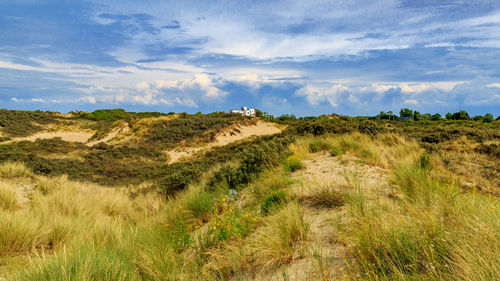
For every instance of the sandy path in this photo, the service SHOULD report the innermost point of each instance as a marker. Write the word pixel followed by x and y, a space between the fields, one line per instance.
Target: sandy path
pixel 325 245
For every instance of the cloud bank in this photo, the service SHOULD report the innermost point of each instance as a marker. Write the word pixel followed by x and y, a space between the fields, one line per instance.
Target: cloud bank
pixel 356 57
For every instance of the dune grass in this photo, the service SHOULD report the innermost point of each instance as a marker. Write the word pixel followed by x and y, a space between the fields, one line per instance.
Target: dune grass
pixel 8 197
pixel 325 196
pixel 431 229
pixel 438 232
pixel 275 242
pixel 11 170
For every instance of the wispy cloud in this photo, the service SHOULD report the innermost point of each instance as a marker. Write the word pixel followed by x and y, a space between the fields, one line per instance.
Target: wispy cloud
pixel 312 57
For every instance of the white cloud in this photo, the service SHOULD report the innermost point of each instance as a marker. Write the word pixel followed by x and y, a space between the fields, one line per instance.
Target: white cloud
pixel 493 85
pixel 414 87
pixel 37 100
pixel 318 94
pixel 87 99
pixel 16 99
pixel 202 82
pixel 184 92
pixel 411 102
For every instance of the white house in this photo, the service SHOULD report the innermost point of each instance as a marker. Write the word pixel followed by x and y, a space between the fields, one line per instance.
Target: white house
pixel 244 111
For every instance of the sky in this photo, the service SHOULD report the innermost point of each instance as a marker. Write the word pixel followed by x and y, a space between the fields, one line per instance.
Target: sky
pixel 297 57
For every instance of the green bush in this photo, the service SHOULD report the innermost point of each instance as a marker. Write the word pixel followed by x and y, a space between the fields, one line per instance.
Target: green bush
pixel 273 200
pixel 179 178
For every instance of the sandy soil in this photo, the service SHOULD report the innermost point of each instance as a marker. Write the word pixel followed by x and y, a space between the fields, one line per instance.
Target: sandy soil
pixel 259 129
pixel 115 132
pixel 231 135
pixel 76 136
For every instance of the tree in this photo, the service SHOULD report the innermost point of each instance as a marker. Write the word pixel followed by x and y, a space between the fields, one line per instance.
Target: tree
pixel 258 113
pixel 417 116
pixel 436 117
pixel 461 115
pixel 285 117
pixel 478 118
pixel 389 115
pixel 449 116
pixel 406 112
pixel 426 116
pixel 488 118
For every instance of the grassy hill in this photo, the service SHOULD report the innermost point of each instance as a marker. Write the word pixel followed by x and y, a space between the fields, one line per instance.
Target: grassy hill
pixel 320 199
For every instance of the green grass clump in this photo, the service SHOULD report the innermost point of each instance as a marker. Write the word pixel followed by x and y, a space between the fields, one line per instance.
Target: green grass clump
pixel 318 145
pixel 21 234
pixel 273 200
pixel 293 163
pixel 201 206
pixel 336 151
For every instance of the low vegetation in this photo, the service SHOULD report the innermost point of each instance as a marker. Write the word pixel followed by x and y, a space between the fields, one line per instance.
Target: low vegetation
pixel 19 123
pixel 188 129
pixel 329 198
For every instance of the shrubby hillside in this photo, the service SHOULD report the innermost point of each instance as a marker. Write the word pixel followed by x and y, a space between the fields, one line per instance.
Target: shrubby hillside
pixel 104 196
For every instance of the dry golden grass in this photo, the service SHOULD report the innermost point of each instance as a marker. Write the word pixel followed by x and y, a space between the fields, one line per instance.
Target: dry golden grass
pixel 278 240
pixel 11 170
pixel 8 197
pixel 428 229
pixel 382 150
pixel 63 214
pixel 462 159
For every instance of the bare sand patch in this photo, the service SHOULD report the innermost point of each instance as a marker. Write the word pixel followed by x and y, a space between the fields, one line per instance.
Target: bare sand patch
pixel 230 135
pixel 113 134
pixel 75 136
pixel 242 132
pixel 177 155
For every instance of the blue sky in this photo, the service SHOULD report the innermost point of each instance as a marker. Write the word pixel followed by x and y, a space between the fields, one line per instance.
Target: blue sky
pixel 319 57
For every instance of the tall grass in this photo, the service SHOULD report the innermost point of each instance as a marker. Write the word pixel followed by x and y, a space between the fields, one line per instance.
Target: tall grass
pixel 21 234
pixel 381 150
pixel 276 242
pixel 14 170
pixel 279 241
pixel 92 223
pixel 437 233
pixel 83 264
pixel 432 229
pixel 8 197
